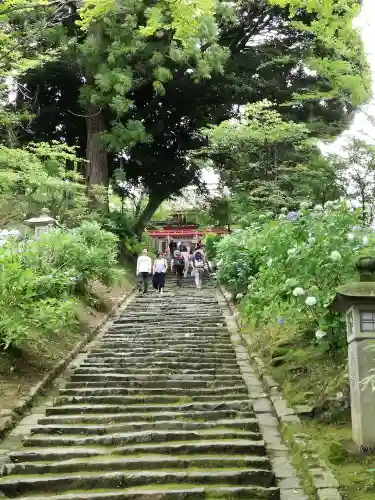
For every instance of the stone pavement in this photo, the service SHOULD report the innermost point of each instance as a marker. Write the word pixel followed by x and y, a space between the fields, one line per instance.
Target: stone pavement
pixel 163 405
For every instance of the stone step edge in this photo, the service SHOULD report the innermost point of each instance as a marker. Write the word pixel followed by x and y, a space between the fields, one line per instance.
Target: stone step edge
pixel 177 493
pixel 110 462
pixel 314 469
pixel 15 415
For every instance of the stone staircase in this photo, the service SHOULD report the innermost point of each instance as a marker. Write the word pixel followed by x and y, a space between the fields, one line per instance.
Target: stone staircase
pixel 157 410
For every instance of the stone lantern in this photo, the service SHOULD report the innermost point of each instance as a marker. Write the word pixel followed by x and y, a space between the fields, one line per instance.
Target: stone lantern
pixel 357 301
pixel 42 224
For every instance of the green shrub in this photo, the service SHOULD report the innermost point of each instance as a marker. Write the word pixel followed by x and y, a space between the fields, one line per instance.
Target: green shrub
pixel 210 243
pixel 285 270
pixel 39 279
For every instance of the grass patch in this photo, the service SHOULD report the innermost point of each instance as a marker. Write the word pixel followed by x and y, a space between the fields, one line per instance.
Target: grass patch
pixel 355 473
pixel 308 375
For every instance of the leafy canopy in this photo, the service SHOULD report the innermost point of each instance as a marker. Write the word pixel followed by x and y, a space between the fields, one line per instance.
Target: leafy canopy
pixel 266 160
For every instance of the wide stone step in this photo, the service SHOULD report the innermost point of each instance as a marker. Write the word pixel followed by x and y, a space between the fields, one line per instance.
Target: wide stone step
pixel 146 462
pixel 199 331
pixel 154 436
pixel 148 348
pixel 243 424
pixel 122 408
pixel 141 400
pixel 160 378
pixel 165 365
pixel 148 371
pixel 168 351
pixel 200 447
pixel 201 416
pixel 83 480
pixel 171 492
pixel 178 356
pixel 178 391
pixel 155 384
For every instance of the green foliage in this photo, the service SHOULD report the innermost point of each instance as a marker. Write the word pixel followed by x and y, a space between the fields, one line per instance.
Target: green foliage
pixel 356 170
pixel 210 243
pixel 343 64
pixel 38 177
pixel 268 161
pixel 40 279
pixel 286 270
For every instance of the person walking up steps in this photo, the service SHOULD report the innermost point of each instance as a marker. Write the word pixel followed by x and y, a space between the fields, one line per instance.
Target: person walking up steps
pixel 159 270
pixel 198 264
pixel 178 266
pixel 185 254
pixel 144 268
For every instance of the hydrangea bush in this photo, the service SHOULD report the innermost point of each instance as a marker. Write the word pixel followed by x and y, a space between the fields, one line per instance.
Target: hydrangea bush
pixel 40 279
pixel 285 268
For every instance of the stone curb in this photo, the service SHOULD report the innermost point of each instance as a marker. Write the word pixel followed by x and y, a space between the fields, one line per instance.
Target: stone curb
pixel 18 412
pixel 316 470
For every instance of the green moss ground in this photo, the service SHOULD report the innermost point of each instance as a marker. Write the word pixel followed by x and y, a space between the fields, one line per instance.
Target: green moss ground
pixel 308 375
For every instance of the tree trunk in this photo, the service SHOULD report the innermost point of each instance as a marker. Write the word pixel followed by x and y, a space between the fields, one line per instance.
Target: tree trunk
pixel 96 170
pixel 145 217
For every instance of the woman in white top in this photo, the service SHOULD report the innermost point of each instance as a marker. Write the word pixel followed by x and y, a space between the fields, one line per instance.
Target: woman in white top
pixel 159 270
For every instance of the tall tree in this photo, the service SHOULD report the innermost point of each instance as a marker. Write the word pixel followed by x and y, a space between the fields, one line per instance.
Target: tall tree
pixel 155 97
pixel 268 161
pixel 356 170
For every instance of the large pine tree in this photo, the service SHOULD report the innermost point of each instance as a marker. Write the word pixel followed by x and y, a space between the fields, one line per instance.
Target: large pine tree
pixel 128 85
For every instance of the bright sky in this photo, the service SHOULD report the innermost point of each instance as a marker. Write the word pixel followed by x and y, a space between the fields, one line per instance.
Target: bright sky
pixel 361 125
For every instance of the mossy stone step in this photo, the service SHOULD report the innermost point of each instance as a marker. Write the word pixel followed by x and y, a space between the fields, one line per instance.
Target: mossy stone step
pixel 158 384
pixel 244 424
pixel 168 377
pixel 150 372
pixel 200 416
pixel 164 365
pixel 142 437
pixel 17 485
pixel 172 492
pixel 148 462
pixel 178 391
pixel 143 400
pixel 182 407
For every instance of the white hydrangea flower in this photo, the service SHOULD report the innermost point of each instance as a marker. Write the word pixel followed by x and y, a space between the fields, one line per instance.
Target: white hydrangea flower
pixel 239 296
pixel 328 204
pixel 319 334
pixel 318 208
pixel 335 256
pixel 269 214
pixel 298 292
pixel 292 252
pixel 283 210
pixel 365 240
pixel 311 240
pixel 281 217
pixel 351 236
pixel 311 301
pixel 304 205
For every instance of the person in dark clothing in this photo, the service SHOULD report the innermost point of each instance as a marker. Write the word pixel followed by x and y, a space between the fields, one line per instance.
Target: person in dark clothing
pixel 178 266
pixel 172 247
pixel 159 270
